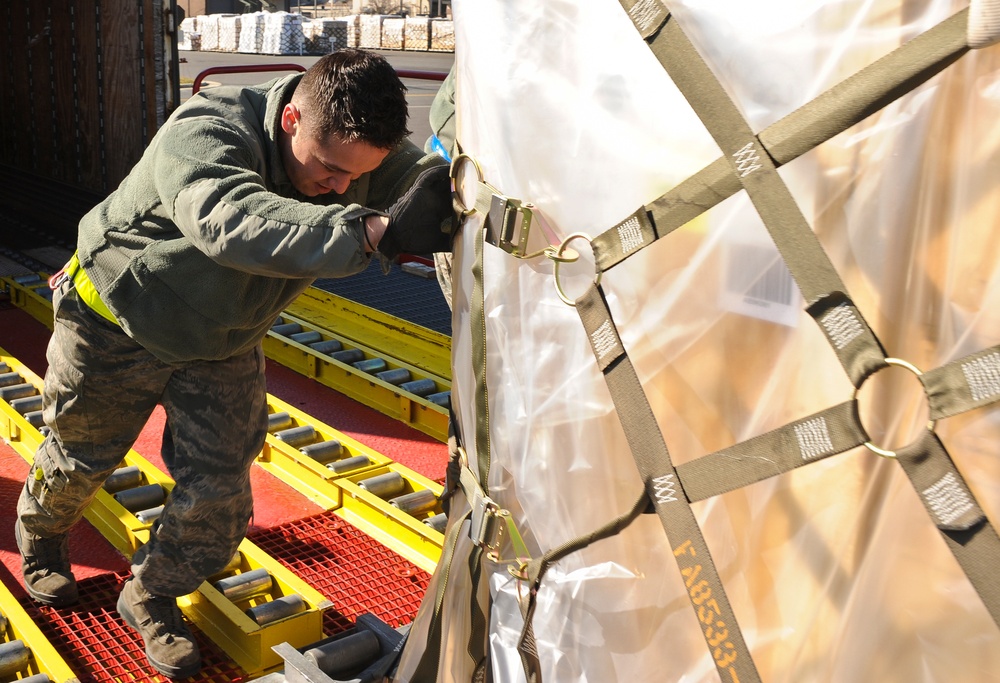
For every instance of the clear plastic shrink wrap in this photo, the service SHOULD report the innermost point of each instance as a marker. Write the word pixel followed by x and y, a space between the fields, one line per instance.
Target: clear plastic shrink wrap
pixel 835 571
pixel 252 32
pixel 229 33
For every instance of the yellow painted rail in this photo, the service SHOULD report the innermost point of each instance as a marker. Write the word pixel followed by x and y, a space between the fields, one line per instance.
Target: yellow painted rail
pixel 370 334
pixel 246 642
pixel 43 657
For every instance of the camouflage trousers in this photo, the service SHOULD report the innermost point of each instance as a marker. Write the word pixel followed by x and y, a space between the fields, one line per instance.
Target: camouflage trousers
pixel 100 389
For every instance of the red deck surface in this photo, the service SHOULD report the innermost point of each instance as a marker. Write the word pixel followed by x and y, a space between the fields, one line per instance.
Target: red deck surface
pixel 355 572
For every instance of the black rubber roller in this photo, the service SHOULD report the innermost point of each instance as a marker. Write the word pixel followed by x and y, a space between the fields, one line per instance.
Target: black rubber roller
pixel 346 654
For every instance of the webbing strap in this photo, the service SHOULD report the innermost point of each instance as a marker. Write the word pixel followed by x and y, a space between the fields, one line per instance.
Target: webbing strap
pixel 984 23
pixel 963 384
pixel 856 346
pixel 813 438
pixel 477 316
pixel 535 570
pixel 478 622
pixel 705 591
pixel 829 114
pixel 427 667
pixel 957 515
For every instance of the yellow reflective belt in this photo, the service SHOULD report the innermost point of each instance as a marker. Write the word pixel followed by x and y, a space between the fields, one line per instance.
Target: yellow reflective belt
pixel 85 289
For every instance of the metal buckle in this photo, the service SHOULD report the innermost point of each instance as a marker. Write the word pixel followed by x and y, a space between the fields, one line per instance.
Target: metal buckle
pixel 508 220
pixel 509 223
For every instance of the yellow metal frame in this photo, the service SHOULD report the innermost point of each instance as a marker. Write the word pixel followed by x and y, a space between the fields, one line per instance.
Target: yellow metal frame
pixel 307 476
pixel 25 297
pixel 388 336
pixel 248 644
pixel 44 658
pixel 392 527
pixel 418 412
pixel 424 348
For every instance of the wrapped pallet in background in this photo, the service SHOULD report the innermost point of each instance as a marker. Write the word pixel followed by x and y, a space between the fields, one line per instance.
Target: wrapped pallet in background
pixel 188 37
pixel 252 32
pixel 417 33
pixel 283 34
pixel 208 26
pixel 836 571
pixel 393 29
pixel 229 32
pixel 353 22
pixel 323 36
pixel 371 30
pixel 442 35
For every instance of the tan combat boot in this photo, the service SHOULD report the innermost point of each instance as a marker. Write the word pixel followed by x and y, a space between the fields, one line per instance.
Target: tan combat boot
pixel 170 645
pixel 46 568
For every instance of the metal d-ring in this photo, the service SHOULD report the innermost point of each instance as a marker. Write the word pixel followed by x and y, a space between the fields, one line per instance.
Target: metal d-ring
pixel 898 362
pixel 456 164
pixel 559 258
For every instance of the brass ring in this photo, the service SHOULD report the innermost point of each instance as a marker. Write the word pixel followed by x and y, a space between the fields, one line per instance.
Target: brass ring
pixel 456 163
pixel 900 363
pixel 558 258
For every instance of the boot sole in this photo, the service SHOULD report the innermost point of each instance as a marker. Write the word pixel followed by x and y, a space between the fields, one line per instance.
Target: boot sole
pixel 165 669
pixel 44 598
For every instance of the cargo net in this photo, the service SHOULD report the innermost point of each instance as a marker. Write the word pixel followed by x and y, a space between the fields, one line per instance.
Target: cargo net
pixel 355 572
pixel 100 648
pixel 962 385
pixel 749 163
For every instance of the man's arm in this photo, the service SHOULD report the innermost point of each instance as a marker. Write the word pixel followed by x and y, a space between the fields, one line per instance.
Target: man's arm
pixel 206 175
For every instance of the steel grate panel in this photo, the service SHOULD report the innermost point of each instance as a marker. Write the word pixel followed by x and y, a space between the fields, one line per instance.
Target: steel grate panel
pixel 354 571
pixel 98 646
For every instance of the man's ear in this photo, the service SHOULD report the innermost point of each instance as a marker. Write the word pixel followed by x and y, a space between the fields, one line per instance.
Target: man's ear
pixel 290 118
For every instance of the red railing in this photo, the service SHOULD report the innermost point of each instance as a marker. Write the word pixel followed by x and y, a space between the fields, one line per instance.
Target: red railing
pixel 257 68
pixel 242 69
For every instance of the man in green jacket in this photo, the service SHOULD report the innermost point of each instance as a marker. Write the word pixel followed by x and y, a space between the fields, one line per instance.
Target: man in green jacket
pixel 242 199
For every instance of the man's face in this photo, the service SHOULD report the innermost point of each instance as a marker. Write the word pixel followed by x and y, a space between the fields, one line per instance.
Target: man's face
pixel 317 166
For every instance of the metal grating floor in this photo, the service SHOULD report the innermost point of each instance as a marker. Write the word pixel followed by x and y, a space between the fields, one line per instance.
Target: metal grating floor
pixel 98 646
pixel 352 570
pixel 404 295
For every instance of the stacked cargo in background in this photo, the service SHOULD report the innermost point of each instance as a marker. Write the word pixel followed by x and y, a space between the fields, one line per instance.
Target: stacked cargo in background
pixel 417 33
pixel 371 30
pixel 392 33
pixel 442 35
pixel 229 33
pixel 323 36
pixel 252 32
pixel 188 37
pixel 353 30
pixel 284 33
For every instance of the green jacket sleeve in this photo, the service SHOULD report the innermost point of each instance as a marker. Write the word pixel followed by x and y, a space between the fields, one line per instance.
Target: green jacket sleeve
pixel 209 177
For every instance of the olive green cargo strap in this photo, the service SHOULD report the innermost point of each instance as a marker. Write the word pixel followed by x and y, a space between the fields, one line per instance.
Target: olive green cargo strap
pixel 533 572
pixel 428 665
pixel 828 432
pixel 829 114
pixel 964 384
pixel 956 514
pixel 483 529
pixel 853 341
pixel 984 23
pixel 663 487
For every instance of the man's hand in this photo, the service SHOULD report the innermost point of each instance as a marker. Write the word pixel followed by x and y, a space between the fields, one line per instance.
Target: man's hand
pixel 416 217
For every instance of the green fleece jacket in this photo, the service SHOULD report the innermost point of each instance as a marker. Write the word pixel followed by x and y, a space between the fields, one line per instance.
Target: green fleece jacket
pixel 206 241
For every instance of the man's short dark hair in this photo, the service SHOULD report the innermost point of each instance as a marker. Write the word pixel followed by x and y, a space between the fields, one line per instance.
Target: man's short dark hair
pixel 356 95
